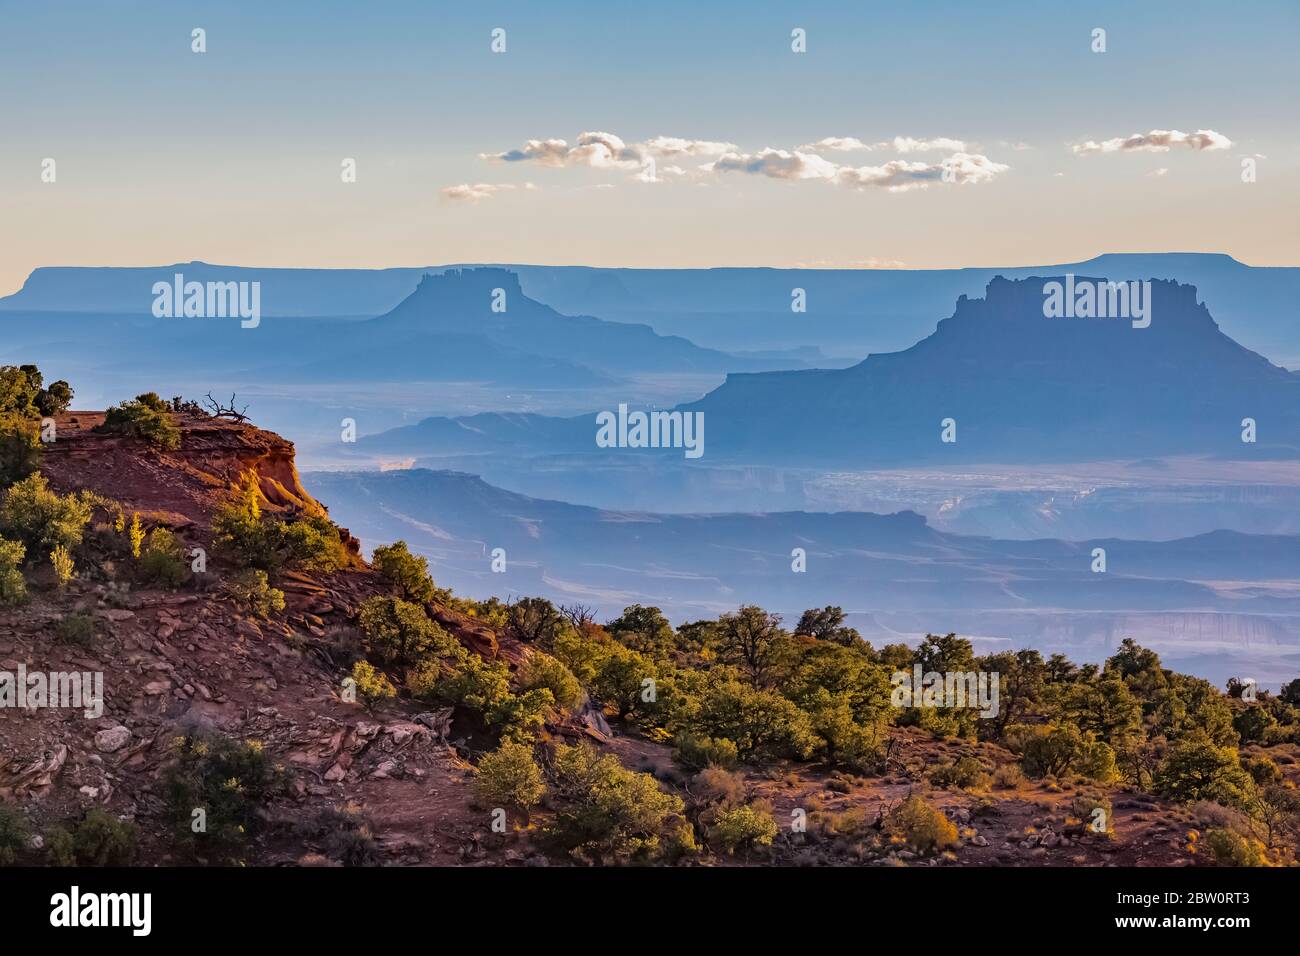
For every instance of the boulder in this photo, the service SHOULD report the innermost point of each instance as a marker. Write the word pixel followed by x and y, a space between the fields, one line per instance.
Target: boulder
pixel 112 740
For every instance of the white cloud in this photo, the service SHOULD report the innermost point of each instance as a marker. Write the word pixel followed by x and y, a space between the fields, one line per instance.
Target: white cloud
pixel 899 144
pixel 906 144
pixel 777 164
pixel 600 150
pixel 1162 171
pixel 898 175
pixel 1156 141
pixel 669 146
pixel 901 176
pixel 477 192
pixel 837 144
pixel 658 158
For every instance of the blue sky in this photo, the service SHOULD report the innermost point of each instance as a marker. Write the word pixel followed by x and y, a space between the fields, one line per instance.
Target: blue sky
pixel 234 155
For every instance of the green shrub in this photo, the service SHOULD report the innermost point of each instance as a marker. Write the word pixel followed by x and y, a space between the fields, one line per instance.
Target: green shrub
pixel 1251 723
pixel 619 678
pixel 407 572
pixel 373 685
pixel 920 826
pixel 543 670
pixel 743 827
pixel 965 773
pixel 20 447
pixel 1262 770
pixel 605 807
pixel 1196 769
pixel 19 386
pixel 13 586
pixel 349 837
pixel 22 394
pixel 1050 751
pixel 146 417
pixel 135 534
pixel 472 682
pixel 644 629
pixel 14 834
pixel 162 559
pixel 715 786
pixel 254 540
pixel 845 740
pixel 78 628
pixel 1096 761
pixel 697 753
pixel 751 639
pixel 510 777
pixel 762 724
pixel 678 842
pixel 227 779
pixel 1084 806
pixel 238 528
pixel 1060 749
pixel 60 848
pixel 1229 848
pixel 1281 734
pixel 467 680
pixel 100 839
pixel 54 400
pixel 398 632
pixel 252 590
pixel 311 542
pixel 62 563
pixel 521 716
pixel 581 653
pixel 42 518
pixel 1008 777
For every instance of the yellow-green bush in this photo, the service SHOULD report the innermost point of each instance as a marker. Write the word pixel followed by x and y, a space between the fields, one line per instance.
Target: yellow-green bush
pixel 146 417
pixel 62 563
pixel 964 773
pixel 543 670
pixel 14 833
pixel 1229 848
pixel 252 590
pixel 405 571
pixel 920 826
pixel 603 806
pixel 162 559
pixel 510 777
pixel 13 586
pixel 373 685
pixel 744 827
pixel 41 518
pixel 696 752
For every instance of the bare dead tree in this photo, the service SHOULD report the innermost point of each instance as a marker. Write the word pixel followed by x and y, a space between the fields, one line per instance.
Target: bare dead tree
pixel 227 411
pixel 579 615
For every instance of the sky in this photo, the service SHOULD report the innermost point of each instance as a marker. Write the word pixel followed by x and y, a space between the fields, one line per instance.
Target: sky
pixel 693 135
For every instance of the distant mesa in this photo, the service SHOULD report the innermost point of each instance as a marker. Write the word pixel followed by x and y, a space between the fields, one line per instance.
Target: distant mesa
pixel 489 302
pixel 1019 386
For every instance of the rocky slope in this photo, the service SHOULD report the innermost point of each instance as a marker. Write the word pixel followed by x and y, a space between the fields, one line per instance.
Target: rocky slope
pixel 177 661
